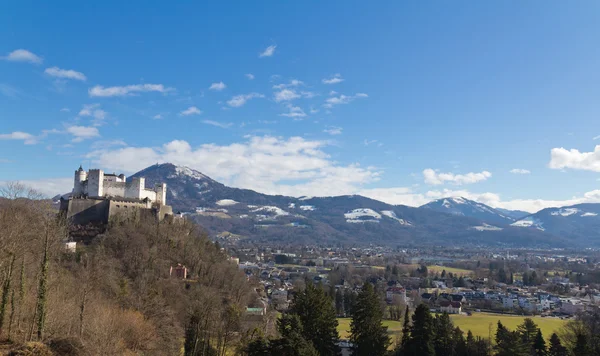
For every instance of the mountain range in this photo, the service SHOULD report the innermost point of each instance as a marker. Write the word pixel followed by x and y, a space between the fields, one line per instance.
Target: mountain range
pixel 234 213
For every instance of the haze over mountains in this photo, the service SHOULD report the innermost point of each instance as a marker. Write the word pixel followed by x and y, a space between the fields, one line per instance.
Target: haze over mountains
pixel 241 213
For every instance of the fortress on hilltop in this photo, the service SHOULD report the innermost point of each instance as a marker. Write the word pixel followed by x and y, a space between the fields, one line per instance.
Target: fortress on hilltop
pixel 99 196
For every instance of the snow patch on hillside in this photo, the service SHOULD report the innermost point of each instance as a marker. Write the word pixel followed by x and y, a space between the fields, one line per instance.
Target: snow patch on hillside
pixel 486 227
pixel 529 222
pixel 226 202
pixel 392 215
pixel 186 171
pixel 362 215
pixel 565 212
pixel 271 209
pixel 589 214
pixel 307 207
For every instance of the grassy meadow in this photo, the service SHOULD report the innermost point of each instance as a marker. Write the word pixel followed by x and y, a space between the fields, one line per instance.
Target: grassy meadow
pixel 478 323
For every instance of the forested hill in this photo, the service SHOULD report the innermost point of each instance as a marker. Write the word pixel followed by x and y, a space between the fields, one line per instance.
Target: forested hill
pixel 114 296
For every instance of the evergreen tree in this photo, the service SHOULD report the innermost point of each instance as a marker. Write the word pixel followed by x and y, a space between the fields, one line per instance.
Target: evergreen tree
pixel 421 333
pixel 556 348
pixel 509 343
pixel 292 343
pixel 539 345
pixel 405 330
pixel 459 343
pixel 512 278
pixel 317 314
pixel 581 346
pixel 367 333
pixel 443 332
pixel 528 331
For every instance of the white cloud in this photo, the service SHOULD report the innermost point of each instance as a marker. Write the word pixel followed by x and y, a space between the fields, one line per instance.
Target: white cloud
pixel 342 99
pixel 65 73
pixel 268 52
pixel 285 95
pixel 192 110
pixel 81 133
pixel 333 130
pixel 250 76
pixel 295 112
pixel 596 137
pixel 217 86
pixel 65 110
pixel 218 124
pixel 9 91
pixel 23 55
pixel 434 178
pixel 240 100
pixel 94 111
pixel 292 83
pixel 100 91
pixel 336 78
pixel 157 117
pixel 561 158
pixel 265 164
pixel 27 138
pixel 519 171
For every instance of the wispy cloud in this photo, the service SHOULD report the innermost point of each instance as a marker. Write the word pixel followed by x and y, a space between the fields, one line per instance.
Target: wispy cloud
pixel 285 95
pixel 596 137
pixel 434 178
pixel 294 112
pixel 94 111
pixel 292 83
pixel 268 52
pixel 343 99
pixel 336 78
pixel 218 124
pixel 100 91
pixel 81 133
pixel 250 76
pixel 65 73
pixel 333 130
pixel 65 110
pixel 9 91
pixel 22 55
pixel 27 138
pixel 157 117
pixel 217 86
pixel 192 110
pixel 4 160
pixel 519 171
pixel 240 100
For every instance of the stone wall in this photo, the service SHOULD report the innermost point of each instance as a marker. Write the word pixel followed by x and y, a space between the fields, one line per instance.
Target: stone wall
pixel 85 211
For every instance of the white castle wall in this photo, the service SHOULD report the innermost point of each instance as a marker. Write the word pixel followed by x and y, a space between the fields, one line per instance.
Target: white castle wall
pixel 95 184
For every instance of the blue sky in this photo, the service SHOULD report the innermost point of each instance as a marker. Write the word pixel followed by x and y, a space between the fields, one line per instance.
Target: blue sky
pixel 401 102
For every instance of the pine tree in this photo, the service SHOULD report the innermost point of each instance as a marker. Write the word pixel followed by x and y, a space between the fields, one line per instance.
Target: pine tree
pixel 421 333
pixel 581 346
pixel 528 331
pixel 556 348
pixel 443 332
pixel 539 345
pixel 510 343
pixel 405 330
pixel 292 343
pixel 316 312
pixel 459 343
pixel 367 333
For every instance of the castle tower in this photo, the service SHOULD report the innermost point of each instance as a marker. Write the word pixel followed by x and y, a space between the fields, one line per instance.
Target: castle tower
pixel 96 183
pixel 80 177
pixel 161 193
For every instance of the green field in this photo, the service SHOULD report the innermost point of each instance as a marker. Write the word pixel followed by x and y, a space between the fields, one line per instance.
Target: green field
pixel 457 271
pixel 478 323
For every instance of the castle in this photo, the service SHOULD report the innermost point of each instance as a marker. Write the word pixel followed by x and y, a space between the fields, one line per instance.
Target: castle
pixel 98 196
